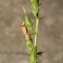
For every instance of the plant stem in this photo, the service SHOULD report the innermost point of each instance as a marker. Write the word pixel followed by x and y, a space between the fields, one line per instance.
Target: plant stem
pixel 36 30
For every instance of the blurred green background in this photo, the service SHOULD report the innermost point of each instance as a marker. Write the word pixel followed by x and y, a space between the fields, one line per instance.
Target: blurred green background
pixel 12 39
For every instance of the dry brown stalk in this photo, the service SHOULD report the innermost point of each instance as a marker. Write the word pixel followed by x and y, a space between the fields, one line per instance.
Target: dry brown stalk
pixel 25 31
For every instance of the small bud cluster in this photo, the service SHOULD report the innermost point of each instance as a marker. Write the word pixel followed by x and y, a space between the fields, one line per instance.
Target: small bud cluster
pixel 28 25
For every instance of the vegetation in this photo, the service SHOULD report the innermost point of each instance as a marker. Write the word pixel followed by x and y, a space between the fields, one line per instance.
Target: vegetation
pixel 28 26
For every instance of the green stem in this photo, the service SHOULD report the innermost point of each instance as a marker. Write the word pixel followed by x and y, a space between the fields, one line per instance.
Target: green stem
pixel 36 30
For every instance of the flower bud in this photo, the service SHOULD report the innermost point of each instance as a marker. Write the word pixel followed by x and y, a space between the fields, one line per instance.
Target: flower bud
pixel 34 7
pixel 33 55
pixel 29 44
pixel 28 21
